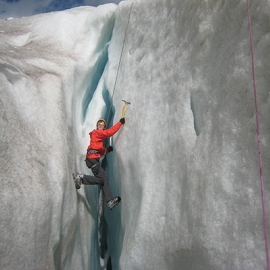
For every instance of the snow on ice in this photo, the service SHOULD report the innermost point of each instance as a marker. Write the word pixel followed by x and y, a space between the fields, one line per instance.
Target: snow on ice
pixel 186 162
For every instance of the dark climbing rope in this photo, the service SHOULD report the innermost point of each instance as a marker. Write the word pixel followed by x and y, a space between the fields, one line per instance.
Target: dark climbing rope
pixel 120 59
pixel 258 140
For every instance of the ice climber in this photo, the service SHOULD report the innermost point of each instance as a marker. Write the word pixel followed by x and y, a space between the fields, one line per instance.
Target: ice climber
pixel 94 151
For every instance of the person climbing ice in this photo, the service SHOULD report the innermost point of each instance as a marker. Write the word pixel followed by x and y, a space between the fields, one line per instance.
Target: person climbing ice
pixel 94 151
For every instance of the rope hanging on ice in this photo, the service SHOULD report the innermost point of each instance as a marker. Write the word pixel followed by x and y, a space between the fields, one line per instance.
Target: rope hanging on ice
pixel 120 60
pixel 107 119
pixel 258 140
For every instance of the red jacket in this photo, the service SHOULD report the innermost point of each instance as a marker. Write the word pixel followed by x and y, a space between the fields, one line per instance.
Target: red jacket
pixel 97 137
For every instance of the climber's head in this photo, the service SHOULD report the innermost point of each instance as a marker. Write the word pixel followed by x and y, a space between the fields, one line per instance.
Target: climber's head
pixel 101 124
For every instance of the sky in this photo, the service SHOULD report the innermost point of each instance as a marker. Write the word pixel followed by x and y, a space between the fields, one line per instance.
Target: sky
pixel 23 8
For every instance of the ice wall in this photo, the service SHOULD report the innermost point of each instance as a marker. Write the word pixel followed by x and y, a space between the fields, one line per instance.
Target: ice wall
pixel 187 158
pixel 46 62
pixel 185 163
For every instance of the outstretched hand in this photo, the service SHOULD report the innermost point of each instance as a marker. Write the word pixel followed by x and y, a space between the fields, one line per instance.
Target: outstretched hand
pixel 122 120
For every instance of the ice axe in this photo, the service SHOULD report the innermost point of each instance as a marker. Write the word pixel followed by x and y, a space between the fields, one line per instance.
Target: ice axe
pixel 124 107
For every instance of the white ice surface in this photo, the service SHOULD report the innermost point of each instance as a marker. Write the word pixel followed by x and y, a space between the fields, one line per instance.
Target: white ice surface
pixel 46 62
pixel 185 163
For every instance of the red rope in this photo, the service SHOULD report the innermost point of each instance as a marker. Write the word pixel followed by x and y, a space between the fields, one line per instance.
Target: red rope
pixel 259 141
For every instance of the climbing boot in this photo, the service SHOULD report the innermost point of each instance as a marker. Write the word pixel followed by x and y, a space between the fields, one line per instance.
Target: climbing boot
pixel 78 177
pixel 112 203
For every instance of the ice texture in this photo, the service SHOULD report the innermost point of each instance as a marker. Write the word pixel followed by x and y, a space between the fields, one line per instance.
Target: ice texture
pixel 186 162
pixel 49 70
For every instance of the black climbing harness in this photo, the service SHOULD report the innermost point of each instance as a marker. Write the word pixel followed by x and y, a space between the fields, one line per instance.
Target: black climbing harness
pixel 91 151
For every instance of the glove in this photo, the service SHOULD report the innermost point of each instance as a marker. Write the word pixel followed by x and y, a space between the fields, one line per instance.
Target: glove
pixel 109 149
pixel 122 120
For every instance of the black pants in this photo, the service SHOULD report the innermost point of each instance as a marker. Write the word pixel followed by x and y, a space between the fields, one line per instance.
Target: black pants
pixel 99 178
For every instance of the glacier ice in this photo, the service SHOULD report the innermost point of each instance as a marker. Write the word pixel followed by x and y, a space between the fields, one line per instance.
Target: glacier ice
pixel 46 65
pixel 185 163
